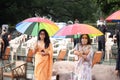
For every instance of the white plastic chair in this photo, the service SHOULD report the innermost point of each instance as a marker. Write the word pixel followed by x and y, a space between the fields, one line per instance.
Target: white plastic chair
pixel 71 54
pixel 108 45
pixel 56 51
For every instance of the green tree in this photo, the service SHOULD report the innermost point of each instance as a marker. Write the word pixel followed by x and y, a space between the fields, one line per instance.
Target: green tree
pixel 14 11
pixel 107 6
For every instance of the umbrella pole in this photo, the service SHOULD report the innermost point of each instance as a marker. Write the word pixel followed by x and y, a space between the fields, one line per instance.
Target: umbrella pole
pixel 38 28
pixel 38 31
pixel 78 38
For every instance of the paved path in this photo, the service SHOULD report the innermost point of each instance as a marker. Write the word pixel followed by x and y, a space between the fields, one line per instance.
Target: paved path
pixel 104 72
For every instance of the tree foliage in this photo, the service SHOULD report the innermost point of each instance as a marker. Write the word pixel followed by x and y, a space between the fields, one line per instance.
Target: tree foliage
pixel 14 11
pixel 107 6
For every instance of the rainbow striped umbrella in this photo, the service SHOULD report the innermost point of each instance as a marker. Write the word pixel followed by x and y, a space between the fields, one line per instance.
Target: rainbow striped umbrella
pixel 32 26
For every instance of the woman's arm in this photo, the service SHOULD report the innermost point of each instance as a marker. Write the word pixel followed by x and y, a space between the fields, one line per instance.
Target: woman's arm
pixel 48 51
pixel 85 53
pixel 76 52
pixel 88 54
pixel 79 53
pixel 35 48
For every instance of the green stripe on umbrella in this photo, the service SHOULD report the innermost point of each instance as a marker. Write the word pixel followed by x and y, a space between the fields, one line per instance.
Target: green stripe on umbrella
pixel 32 26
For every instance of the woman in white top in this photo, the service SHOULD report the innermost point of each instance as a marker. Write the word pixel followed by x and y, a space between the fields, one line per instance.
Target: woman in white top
pixel 84 52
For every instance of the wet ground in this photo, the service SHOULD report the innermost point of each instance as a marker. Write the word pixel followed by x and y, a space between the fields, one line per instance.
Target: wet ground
pixel 30 72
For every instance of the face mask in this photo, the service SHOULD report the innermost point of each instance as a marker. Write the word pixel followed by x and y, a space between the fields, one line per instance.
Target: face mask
pixel 84 41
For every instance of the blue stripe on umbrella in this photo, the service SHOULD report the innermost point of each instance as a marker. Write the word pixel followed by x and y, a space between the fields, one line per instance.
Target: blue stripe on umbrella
pixel 115 20
pixel 59 37
pixel 22 26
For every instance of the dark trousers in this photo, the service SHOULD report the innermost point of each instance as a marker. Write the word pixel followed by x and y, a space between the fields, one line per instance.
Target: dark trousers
pixel 1 51
pixel 101 47
pixel 118 60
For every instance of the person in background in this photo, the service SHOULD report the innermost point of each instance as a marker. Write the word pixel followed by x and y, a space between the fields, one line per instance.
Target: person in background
pixel 76 21
pixel 76 40
pixel 117 31
pixel 101 39
pixel 43 56
pixel 9 37
pixel 6 41
pixel 101 21
pixel 1 47
pixel 84 51
pixel 117 69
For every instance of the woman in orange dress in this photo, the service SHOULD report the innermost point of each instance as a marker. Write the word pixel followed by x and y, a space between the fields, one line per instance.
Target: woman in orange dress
pixel 43 56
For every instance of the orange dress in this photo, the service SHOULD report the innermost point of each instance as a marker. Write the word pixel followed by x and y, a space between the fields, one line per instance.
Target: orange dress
pixel 43 65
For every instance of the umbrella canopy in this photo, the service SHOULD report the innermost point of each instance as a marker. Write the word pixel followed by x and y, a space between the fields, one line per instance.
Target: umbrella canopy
pixel 69 36
pixel 32 26
pixel 114 17
pixel 78 29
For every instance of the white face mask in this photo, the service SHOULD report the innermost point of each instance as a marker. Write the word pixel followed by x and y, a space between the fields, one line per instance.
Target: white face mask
pixel 84 41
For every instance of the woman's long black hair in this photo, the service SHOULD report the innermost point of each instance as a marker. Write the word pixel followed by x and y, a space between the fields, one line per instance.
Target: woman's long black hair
pixel 47 39
pixel 89 41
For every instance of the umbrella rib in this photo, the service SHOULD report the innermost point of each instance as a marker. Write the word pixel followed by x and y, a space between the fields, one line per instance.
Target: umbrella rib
pixel 47 24
pixel 30 28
